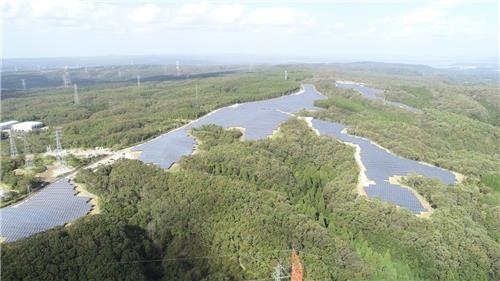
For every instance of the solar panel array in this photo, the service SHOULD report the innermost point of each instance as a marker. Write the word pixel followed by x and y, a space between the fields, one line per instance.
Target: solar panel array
pixel 57 204
pixel 365 91
pixel 54 205
pixel 396 194
pixel 259 118
pixel 372 94
pixel 381 164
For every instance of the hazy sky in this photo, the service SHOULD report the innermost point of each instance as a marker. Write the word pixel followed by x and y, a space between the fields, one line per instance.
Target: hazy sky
pixel 393 30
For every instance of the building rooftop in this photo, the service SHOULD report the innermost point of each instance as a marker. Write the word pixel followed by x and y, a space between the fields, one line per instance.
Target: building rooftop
pixel 8 123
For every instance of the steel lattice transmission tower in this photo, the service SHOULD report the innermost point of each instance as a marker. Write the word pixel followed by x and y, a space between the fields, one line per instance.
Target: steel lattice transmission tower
pixel 66 79
pixel 59 150
pixel 27 157
pixel 12 141
pixel 76 98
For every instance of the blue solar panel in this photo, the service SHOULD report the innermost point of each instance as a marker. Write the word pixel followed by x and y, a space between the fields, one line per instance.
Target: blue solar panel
pixel 56 204
pixel 380 165
pixel 52 206
pixel 261 118
pixel 374 94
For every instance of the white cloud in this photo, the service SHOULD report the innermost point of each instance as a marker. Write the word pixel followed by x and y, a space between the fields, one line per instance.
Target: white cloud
pixel 339 25
pixel 59 9
pixel 382 20
pixel 273 16
pixel 143 29
pixel 227 13
pixel 111 17
pixel 193 9
pixel 188 14
pixel 405 31
pixel 11 9
pixel 147 13
pixel 436 19
pixel 422 16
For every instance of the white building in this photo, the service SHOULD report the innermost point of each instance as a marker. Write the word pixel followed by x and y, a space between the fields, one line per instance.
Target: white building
pixel 7 125
pixel 27 126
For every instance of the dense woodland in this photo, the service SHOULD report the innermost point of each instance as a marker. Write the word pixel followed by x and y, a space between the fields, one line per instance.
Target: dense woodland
pixel 235 209
pixel 458 127
pixel 118 115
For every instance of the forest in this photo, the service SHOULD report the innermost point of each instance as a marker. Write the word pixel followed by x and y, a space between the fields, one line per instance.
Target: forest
pixel 458 127
pixel 126 114
pixel 235 209
pixel 118 114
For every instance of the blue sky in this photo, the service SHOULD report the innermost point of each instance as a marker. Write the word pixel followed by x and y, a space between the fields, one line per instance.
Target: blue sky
pixel 384 30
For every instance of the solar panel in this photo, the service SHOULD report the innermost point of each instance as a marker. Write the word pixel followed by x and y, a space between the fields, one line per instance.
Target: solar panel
pixel 52 206
pixel 371 93
pixel 261 118
pixel 380 165
pixel 56 204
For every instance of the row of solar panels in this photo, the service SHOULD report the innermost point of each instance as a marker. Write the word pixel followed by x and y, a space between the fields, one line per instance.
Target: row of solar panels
pixel 380 165
pixel 262 117
pixel 398 195
pixel 54 205
pixel 259 118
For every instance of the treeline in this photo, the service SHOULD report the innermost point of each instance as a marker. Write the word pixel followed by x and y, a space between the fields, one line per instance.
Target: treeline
pixel 20 181
pixel 234 210
pixel 441 137
pixel 476 102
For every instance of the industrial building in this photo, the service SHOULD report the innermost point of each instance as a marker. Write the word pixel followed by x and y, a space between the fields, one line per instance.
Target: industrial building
pixel 7 125
pixel 5 128
pixel 27 126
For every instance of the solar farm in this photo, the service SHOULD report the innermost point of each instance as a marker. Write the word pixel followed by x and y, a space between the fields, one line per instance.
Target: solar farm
pixel 54 205
pixel 381 164
pixel 57 204
pixel 261 118
pixel 374 94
